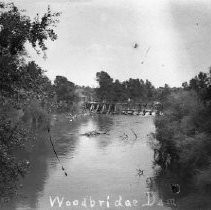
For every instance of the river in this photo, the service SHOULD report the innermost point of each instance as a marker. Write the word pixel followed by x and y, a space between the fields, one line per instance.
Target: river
pixel 103 171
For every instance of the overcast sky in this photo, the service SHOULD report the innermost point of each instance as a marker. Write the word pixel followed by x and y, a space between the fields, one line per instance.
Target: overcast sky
pixel 173 39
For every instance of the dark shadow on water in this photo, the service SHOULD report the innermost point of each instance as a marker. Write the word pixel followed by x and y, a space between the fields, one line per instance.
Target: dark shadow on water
pixel 191 191
pixel 30 187
pixel 104 122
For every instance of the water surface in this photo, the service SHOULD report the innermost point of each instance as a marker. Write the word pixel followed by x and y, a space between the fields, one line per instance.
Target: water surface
pixel 103 167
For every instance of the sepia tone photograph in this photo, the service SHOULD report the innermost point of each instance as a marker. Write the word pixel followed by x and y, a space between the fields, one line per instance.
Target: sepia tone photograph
pixel 105 104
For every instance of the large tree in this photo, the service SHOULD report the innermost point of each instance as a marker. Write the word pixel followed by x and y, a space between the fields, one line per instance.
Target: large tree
pixel 202 85
pixel 134 89
pixel 20 82
pixel 105 86
pixel 15 30
pixel 65 90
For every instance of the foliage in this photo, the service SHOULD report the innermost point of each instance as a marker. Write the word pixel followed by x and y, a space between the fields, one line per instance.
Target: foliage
pixel 105 86
pixel 17 28
pixel 88 92
pixel 116 91
pixel 184 134
pixel 21 85
pixel 184 129
pixel 202 85
pixel 65 93
pixel 163 92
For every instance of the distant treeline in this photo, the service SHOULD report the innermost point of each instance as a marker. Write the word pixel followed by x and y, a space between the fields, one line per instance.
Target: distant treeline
pixel 135 90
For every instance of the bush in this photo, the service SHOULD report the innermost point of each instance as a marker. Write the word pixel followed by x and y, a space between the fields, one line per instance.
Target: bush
pixel 183 134
pixel 184 130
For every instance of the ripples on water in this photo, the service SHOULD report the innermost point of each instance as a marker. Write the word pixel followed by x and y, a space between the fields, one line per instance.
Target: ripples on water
pixel 96 167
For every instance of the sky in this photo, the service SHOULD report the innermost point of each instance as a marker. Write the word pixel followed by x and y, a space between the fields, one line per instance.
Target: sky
pixel 173 39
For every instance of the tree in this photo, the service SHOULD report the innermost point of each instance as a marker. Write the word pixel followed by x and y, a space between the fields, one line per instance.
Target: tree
pixel 17 28
pixel 20 83
pixel 105 86
pixel 119 93
pixel 65 91
pixel 163 92
pixel 185 85
pixel 134 89
pixel 202 85
pixel 149 89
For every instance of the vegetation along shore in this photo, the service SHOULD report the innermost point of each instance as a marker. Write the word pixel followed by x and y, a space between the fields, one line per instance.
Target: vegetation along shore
pixel 31 103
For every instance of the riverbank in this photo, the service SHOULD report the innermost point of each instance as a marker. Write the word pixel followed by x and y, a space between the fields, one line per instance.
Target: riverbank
pixel 183 150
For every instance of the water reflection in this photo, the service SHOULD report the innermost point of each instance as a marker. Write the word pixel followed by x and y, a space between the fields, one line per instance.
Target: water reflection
pixel 184 189
pixel 104 122
pixel 42 158
pixel 187 190
pixel 99 166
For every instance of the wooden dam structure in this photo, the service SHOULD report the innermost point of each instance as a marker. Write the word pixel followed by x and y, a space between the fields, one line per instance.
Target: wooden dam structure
pixel 123 108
